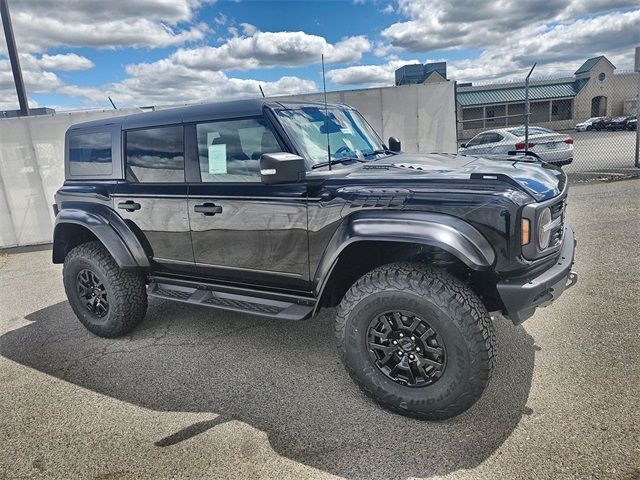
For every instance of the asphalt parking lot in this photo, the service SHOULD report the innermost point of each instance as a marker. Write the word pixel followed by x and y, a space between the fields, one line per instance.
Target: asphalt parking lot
pixel 197 393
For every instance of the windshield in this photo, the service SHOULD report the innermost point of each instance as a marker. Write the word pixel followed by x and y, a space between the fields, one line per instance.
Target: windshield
pixel 534 130
pixel 349 135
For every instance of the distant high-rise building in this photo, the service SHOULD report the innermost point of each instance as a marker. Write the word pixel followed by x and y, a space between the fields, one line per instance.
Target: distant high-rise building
pixel 418 73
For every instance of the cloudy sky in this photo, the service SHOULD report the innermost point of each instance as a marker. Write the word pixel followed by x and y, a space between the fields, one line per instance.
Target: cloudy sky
pixel 75 53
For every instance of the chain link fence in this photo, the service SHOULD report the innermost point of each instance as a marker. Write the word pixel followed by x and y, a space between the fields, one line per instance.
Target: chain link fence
pixel 586 122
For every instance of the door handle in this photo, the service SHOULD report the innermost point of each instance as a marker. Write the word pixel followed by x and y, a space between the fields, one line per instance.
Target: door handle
pixel 208 209
pixel 129 206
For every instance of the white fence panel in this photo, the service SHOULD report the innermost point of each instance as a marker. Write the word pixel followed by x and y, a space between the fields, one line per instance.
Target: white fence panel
pixel 32 148
pixel 31 170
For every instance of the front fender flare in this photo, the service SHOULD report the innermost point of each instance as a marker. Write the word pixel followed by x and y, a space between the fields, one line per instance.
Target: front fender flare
pixel 451 234
pixel 107 227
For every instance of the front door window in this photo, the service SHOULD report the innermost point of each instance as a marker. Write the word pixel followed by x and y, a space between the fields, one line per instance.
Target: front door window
pixel 230 151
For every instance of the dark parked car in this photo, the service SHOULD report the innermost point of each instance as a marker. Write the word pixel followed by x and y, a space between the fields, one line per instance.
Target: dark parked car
pixel 617 123
pixel 280 210
pixel 601 123
pixel 632 123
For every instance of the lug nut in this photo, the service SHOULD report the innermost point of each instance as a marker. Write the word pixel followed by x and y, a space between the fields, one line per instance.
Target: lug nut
pixel 411 357
pixel 395 342
pixel 401 353
pixel 412 338
pixel 417 349
pixel 401 335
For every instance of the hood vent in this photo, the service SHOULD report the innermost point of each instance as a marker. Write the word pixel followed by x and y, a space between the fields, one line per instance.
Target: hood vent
pixel 422 168
pixel 358 198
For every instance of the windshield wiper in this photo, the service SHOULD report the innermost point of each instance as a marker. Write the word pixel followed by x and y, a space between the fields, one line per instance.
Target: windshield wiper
pixel 335 161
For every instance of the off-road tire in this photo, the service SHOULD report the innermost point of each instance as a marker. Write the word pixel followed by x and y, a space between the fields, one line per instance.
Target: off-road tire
pixel 125 290
pixel 452 309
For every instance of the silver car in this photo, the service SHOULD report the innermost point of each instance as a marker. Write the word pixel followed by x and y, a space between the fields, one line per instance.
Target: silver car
pixel 588 124
pixel 550 146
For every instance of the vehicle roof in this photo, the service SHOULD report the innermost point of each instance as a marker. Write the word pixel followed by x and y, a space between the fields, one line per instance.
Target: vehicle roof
pixel 512 130
pixel 196 113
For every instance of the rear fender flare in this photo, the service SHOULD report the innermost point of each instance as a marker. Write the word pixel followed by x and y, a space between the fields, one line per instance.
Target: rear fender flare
pixel 107 227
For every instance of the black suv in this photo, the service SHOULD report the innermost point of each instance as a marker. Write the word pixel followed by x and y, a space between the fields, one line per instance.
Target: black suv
pixel 281 209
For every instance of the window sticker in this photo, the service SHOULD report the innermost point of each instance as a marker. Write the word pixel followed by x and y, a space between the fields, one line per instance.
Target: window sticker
pixel 217 159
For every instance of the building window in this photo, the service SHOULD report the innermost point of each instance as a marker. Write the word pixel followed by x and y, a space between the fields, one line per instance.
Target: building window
pixel 495 116
pixel 472 118
pixel 561 110
pixel 602 76
pixel 516 114
pixel 539 112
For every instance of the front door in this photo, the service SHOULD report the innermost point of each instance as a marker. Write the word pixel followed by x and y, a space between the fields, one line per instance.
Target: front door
pixel 243 231
pixel 153 200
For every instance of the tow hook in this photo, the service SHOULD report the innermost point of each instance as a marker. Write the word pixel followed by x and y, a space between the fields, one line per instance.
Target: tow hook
pixel 572 279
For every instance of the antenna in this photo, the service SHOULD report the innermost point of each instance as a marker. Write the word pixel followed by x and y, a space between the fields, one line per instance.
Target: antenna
pixel 326 113
pixel 261 91
pixel 112 104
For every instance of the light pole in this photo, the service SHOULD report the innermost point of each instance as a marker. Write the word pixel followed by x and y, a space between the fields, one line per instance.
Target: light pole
pixel 526 109
pixel 13 57
pixel 637 69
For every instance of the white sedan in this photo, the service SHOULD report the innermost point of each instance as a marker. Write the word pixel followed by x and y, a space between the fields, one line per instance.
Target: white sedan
pixel 550 146
pixel 587 124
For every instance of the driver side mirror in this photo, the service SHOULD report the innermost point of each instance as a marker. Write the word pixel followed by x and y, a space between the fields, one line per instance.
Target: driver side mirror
pixel 394 144
pixel 463 145
pixel 281 167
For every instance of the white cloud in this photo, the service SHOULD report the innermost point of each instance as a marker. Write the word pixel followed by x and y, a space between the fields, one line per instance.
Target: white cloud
pixel 446 24
pixel 388 9
pixel 43 24
pixel 65 62
pixel 372 75
pixel 257 49
pixel 36 81
pixel 167 83
pixel 557 34
pixel 559 50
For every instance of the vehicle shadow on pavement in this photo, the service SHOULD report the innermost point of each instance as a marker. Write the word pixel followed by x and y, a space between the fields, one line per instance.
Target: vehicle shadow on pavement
pixel 283 378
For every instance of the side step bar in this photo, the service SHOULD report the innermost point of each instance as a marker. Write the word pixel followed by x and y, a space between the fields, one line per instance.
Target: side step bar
pixel 284 307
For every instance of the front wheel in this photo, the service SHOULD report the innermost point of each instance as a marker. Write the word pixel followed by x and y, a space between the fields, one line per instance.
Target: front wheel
pixel 416 340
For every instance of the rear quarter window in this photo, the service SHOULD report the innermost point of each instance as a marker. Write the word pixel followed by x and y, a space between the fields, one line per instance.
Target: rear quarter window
pixel 90 154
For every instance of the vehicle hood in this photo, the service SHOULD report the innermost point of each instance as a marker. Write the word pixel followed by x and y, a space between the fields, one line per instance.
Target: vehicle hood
pixel 541 181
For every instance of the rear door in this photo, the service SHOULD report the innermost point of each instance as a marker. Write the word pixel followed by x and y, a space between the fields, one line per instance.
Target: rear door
pixel 242 230
pixel 153 199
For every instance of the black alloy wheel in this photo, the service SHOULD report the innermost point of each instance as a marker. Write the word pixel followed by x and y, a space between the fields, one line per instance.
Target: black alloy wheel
pixel 92 292
pixel 406 349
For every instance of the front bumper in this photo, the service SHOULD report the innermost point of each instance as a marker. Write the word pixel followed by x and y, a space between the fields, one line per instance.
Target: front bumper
pixel 521 297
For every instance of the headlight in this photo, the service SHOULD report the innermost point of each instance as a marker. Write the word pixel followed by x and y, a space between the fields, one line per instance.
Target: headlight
pixel 544 228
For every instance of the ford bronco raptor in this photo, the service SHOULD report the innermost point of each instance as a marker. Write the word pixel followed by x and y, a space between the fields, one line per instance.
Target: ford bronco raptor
pixel 282 209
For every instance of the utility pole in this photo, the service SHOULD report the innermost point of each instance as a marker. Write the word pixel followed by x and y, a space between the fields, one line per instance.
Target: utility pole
pixel 637 69
pixel 526 109
pixel 13 58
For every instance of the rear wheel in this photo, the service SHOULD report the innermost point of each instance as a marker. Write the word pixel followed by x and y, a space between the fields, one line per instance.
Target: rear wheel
pixel 417 340
pixel 107 300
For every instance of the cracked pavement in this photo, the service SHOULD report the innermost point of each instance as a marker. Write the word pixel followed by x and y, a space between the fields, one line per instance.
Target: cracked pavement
pixel 199 393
